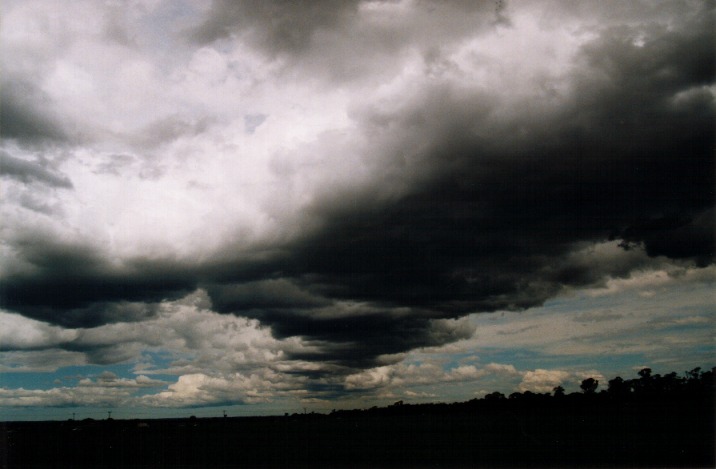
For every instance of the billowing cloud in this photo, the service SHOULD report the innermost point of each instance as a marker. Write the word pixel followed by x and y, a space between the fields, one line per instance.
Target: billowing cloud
pixel 197 338
pixel 405 376
pixel 198 389
pixel 543 380
pixel 342 183
pixel 106 390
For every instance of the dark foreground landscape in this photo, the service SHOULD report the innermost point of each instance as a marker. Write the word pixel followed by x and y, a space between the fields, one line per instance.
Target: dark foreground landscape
pixel 652 421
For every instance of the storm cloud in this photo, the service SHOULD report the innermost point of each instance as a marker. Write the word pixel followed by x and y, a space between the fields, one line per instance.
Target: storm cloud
pixel 25 115
pixel 460 174
pixel 27 171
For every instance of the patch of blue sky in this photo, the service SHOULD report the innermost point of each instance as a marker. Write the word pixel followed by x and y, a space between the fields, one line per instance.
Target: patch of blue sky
pixel 524 358
pixel 64 376
pixel 30 380
pixel 68 376
pixel 152 360
pixel 527 359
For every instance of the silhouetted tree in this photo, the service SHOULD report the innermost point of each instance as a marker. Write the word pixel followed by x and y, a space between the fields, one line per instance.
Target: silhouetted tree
pixel 558 391
pixel 693 375
pixel 589 385
pixel 495 396
pixel 617 387
pixel 669 383
pixel 644 386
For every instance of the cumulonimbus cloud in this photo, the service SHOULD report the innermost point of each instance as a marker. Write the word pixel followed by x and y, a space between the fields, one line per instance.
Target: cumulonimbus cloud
pixel 463 182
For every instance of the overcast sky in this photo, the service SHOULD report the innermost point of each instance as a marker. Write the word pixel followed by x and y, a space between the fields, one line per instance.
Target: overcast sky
pixel 264 206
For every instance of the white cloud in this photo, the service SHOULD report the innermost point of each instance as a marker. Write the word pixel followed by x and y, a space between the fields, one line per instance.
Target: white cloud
pixel 81 396
pixel 373 378
pixel 320 136
pixel 110 380
pixel 200 389
pixel 501 368
pixel 21 333
pixel 405 375
pixel 541 380
pixel 196 337
pixel 649 282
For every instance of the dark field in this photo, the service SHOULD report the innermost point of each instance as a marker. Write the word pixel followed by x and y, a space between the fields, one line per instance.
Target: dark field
pixel 523 431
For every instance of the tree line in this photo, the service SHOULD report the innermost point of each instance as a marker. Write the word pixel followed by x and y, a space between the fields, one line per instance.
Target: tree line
pixel 649 421
pixel 694 386
pixel 647 386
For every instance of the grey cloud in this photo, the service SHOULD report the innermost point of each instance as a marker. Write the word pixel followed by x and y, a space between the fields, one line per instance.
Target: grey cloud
pixel 516 331
pixel 37 204
pixel 114 164
pixel 349 39
pixel 105 312
pixel 277 25
pixel 468 213
pixel 101 354
pixel 44 359
pixel 167 130
pixel 25 114
pixel 598 316
pixel 26 171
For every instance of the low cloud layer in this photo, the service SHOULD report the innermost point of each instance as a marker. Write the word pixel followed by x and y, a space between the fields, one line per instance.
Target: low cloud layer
pixel 357 177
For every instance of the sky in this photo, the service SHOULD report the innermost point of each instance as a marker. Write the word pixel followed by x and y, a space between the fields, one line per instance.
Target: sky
pixel 263 207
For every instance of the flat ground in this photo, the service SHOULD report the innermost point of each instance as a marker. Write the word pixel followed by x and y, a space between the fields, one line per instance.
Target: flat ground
pixel 502 434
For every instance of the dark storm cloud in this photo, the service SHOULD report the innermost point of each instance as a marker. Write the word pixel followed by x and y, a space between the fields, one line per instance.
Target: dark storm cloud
pixel 362 341
pixel 73 286
pixel 492 227
pixel 492 215
pixel 271 293
pixel 498 222
pixel 24 114
pixel 26 171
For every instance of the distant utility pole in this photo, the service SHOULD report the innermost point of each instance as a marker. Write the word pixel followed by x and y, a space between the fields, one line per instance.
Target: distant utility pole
pixel 109 414
pixel 73 415
pixel 224 414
